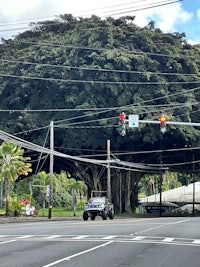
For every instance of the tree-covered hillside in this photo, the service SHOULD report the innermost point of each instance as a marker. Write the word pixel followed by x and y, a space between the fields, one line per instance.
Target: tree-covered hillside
pixel 82 72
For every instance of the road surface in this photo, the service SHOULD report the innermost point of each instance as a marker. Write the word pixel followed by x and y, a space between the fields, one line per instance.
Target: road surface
pixel 140 242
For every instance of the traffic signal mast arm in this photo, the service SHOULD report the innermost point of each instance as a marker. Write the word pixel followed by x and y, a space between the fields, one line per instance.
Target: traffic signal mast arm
pixel 172 123
pixel 134 121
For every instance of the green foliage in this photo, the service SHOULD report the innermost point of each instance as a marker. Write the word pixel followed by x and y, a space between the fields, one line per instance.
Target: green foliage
pixel 149 184
pixel 83 64
pixel 12 165
pixel 16 208
pixel 62 189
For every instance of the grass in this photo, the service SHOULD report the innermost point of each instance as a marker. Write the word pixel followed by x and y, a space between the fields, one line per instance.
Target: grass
pixel 56 212
pixel 60 212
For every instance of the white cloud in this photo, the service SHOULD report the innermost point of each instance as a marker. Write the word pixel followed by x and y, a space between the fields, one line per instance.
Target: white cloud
pixel 13 9
pixel 192 42
pixel 167 18
pixel 198 13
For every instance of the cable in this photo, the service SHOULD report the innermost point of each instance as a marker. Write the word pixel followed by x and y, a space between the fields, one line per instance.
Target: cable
pixel 122 11
pixel 23 143
pixel 97 69
pixel 103 49
pixel 36 169
pixel 94 81
pixel 145 7
pixel 140 103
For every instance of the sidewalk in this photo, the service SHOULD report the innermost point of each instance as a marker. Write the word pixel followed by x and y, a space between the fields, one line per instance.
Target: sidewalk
pixel 35 219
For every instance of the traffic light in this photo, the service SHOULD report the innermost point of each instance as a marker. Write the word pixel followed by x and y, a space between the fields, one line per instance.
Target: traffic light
pixel 122 124
pixel 163 120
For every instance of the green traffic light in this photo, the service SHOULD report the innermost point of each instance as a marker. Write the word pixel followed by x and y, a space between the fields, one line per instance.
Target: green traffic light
pixel 122 127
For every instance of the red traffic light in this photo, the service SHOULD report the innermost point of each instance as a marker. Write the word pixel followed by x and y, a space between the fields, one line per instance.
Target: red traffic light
pixel 163 119
pixel 122 116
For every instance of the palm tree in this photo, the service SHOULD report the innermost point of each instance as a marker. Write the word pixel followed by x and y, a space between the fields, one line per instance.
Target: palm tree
pixel 12 165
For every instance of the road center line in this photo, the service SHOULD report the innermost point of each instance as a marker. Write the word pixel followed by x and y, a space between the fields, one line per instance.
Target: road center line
pixel 25 236
pixel 77 254
pixel 179 222
pixel 9 241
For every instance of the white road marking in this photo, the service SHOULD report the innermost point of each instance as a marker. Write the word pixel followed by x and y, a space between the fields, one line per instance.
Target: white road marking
pixel 77 254
pixel 196 241
pixel 138 238
pixel 168 239
pixel 109 237
pixel 52 236
pixel 178 222
pixel 9 241
pixel 80 237
pixel 25 236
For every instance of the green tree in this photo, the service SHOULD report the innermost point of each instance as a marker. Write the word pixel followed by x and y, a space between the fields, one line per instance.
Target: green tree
pixel 103 63
pixel 12 165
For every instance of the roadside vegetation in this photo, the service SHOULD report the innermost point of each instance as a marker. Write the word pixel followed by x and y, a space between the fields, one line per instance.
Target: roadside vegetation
pixel 19 192
pixel 81 73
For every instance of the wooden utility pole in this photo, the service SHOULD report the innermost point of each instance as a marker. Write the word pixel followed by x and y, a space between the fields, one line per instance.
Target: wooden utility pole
pixel 51 168
pixel 108 172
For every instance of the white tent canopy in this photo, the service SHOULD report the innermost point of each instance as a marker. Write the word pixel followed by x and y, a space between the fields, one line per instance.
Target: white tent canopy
pixel 183 194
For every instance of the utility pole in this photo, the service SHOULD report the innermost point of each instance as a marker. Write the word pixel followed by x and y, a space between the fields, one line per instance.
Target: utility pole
pixel 108 172
pixel 193 179
pixel 51 168
pixel 161 181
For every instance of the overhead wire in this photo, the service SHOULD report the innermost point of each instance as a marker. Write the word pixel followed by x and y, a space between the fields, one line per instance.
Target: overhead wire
pixel 31 146
pixel 145 7
pixel 120 12
pixel 107 110
pixel 95 81
pixel 40 157
pixel 135 105
pixel 98 69
pixel 49 44
pixel 169 74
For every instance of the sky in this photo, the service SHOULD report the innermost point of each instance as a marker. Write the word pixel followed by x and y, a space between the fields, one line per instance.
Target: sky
pixel 168 15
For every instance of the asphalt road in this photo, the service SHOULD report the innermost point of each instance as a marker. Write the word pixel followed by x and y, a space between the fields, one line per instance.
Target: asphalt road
pixel 152 242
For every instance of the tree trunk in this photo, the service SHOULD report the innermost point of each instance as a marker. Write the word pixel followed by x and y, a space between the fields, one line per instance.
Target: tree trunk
pixel 7 192
pixel 127 205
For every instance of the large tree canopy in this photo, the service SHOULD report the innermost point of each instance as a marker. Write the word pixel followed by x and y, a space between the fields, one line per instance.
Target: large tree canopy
pixel 82 72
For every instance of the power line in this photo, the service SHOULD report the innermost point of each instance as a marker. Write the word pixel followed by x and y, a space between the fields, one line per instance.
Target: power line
pixel 106 110
pixel 99 69
pixel 104 49
pixel 120 11
pixel 95 81
pixel 145 7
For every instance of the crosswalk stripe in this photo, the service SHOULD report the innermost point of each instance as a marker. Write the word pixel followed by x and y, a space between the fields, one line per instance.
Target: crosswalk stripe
pixel 196 241
pixel 138 238
pixel 109 237
pixel 80 237
pixel 168 239
pixel 53 236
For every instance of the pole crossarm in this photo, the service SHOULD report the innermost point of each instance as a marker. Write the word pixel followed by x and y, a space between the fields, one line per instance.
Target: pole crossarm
pixel 172 122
